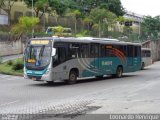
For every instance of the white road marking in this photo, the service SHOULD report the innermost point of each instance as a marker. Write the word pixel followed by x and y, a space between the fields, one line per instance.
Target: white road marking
pixel 9 103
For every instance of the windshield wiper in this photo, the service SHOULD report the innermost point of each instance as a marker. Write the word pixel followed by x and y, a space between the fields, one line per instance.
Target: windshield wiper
pixel 41 51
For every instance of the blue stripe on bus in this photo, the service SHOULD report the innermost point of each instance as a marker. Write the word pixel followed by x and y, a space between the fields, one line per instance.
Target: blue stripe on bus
pixel 36 73
pixel 104 66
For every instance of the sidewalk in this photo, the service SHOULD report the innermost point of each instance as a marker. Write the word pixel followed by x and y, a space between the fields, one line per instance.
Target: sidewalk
pixel 11 57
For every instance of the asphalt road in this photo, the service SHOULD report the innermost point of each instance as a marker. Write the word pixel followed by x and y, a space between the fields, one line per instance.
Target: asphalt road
pixel 11 57
pixel 23 96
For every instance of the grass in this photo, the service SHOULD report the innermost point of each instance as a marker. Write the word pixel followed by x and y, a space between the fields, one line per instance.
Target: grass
pixel 6 68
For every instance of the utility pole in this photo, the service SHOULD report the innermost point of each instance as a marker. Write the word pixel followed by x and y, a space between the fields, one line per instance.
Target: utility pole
pixel 139 30
pixel 32 16
pixel 99 29
pixel 44 24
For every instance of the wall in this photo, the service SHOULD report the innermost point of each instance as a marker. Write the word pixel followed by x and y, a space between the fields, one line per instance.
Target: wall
pixel 10 48
pixel 155 48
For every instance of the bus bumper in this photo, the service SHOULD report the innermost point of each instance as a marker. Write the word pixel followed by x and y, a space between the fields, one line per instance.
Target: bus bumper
pixel 39 76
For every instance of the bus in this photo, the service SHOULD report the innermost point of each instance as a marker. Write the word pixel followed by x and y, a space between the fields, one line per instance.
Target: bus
pixel 59 31
pixel 146 57
pixel 66 59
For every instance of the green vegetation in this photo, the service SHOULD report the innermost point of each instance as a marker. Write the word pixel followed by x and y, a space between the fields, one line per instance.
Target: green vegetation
pixel 78 10
pixel 150 28
pixel 10 62
pixel 0 59
pixel 102 20
pixel 40 6
pixel 24 26
pixel 83 33
pixel 14 67
pixel 18 65
pixel 98 18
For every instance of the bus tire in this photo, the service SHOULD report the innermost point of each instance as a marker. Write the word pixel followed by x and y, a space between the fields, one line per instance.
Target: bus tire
pixel 143 65
pixel 50 82
pixel 101 76
pixel 119 72
pixel 72 77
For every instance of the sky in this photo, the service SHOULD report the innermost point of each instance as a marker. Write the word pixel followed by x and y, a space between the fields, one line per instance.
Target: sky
pixel 142 7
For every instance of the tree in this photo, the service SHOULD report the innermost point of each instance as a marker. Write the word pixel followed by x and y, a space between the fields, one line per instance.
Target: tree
pixel 127 30
pixel 7 4
pixel 75 14
pixel 150 27
pixel 59 6
pixel 102 19
pixel 89 22
pixel 40 6
pixel 24 26
pixel 115 6
pixel 2 4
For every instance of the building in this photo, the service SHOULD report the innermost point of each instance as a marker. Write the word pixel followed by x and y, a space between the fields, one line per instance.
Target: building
pixel 136 20
pixel 3 17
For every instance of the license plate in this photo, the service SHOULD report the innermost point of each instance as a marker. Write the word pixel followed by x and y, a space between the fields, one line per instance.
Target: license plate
pixel 33 78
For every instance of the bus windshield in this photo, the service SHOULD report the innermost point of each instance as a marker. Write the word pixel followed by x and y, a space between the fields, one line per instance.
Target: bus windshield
pixel 38 56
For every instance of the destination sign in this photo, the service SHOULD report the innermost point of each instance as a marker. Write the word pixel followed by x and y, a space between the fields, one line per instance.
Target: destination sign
pixel 39 42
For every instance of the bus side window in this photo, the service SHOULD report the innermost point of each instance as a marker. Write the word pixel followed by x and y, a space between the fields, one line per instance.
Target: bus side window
pixel 61 52
pixel 103 51
pixel 73 50
pixel 130 51
pixel 94 50
pixel 136 51
pixel 84 51
pixel 148 54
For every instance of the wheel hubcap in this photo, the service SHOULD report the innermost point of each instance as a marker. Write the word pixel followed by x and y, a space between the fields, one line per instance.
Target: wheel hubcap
pixel 72 77
pixel 119 73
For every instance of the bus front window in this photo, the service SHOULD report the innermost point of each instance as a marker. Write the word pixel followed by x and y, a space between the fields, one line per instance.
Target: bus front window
pixel 38 55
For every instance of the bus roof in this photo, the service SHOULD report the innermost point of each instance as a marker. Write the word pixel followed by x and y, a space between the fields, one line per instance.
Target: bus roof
pixel 104 39
pixel 88 40
pixel 149 49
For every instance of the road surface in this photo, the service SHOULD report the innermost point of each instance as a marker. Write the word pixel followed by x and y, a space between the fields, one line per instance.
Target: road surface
pixel 136 92
pixel 11 57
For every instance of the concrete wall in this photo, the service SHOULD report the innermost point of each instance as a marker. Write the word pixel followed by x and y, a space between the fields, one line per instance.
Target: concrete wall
pixel 10 48
pixel 155 48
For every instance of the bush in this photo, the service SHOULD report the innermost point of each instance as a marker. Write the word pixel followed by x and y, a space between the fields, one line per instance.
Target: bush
pixel 82 34
pixel 18 65
pixel 0 59
pixel 10 63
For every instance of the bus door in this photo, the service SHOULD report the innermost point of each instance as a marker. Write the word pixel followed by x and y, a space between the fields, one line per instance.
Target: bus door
pixel 94 54
pixel 130 55
pixel 59 63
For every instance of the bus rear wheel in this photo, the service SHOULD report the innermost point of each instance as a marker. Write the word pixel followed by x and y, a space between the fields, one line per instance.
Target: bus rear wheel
pixel 119 72
pixel 143 65
pixel 72 77
pixel 100 77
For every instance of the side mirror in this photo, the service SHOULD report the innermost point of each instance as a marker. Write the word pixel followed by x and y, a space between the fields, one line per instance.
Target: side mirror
pixel 53 51
pixel 54 58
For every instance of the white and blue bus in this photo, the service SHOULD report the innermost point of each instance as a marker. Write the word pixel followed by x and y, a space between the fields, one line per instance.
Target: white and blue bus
pixel 66 59
pixel 146 57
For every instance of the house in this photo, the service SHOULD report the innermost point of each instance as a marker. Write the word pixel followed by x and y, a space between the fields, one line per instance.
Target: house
pixel 3 17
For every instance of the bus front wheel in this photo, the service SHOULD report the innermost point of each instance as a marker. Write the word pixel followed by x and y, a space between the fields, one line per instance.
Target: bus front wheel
pixel 72 77
pixel 50 82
